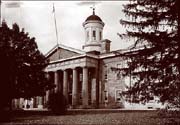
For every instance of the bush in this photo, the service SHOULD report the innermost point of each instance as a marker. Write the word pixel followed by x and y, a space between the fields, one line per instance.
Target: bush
pixel 57 103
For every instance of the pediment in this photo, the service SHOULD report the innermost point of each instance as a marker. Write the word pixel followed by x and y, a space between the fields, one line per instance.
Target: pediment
pixel 62 52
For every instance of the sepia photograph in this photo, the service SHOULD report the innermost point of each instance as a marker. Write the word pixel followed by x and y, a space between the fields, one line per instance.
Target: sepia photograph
pixel 89 62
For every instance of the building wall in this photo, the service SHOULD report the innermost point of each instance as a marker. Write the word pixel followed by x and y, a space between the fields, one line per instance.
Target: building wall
pixel 112 82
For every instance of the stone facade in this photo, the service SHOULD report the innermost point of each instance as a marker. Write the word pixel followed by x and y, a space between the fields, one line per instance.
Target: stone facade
pixel 113 83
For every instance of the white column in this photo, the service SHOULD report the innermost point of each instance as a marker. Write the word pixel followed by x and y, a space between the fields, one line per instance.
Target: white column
pixel 93 91
pixel 47 97
pixel 75 88
pixel 65 84
pixel 21 102
pixel 90 34
pixel 85 94
pixel 17 103
pixel 95 88
pixel 40 102
pixel 86 38
pixel 56 81
pixel 97 34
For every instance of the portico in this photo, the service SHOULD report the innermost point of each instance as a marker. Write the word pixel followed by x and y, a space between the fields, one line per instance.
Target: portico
pixel 76 78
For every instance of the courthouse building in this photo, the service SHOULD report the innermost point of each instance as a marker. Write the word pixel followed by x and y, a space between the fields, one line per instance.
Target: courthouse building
pixel 87 78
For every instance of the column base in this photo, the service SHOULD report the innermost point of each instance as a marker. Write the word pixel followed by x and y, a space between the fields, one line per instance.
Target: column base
pixel 86 107
pixel 40 106
pixel 75 106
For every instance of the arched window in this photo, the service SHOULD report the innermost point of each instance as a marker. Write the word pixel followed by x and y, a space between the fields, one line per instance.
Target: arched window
pixel 100 35
pixel 94 35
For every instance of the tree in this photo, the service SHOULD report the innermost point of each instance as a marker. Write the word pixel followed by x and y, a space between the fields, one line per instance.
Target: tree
pixel 21 66
pixel 155 69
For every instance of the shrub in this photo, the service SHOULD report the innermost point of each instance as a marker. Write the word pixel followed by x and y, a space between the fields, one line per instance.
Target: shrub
pixel 57 103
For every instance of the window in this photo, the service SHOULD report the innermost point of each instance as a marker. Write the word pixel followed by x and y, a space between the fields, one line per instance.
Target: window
pixel 105 76
pixel 151 98
pixel 94 35
pixel 100 35
pixel 80 77
pixel 106 96
pixel 105 72
pixel 122 64
pixel 118 95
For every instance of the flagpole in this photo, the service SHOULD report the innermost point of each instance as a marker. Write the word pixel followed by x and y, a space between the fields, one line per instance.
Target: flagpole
pixel 0 13
pixel 55 24
pixel 56 31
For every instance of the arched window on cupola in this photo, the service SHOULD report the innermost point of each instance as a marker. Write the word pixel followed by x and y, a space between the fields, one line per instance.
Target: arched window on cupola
pixel 100 35
pixel 94 35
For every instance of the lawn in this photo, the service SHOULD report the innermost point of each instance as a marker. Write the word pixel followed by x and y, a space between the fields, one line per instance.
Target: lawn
pixel 106 118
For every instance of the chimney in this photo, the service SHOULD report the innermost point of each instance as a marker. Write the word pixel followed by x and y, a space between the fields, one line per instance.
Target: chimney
pixel 105 46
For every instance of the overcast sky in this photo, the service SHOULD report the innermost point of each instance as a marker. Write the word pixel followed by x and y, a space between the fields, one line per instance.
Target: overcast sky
pixel 37 19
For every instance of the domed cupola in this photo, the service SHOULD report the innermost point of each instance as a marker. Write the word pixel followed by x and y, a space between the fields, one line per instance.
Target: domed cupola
pixel 93 27
pixel 93 17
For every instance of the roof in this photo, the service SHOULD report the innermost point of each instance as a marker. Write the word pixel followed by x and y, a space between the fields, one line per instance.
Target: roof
pixel 120 52
pixel 64 47
pixel 94 17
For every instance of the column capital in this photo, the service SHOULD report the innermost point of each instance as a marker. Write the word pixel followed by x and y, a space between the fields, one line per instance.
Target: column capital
pixel 74 68
pixel 85 67
pixel 57 71
pixel 64 70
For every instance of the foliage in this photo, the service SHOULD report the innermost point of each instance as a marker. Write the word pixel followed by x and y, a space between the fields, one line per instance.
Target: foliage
pixel 21 65
pixel 57 103
pixel 155 67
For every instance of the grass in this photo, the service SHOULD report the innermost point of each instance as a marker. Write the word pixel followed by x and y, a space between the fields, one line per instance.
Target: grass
pixel 106 118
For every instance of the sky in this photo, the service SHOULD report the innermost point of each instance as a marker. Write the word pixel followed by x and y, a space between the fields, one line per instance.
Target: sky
pixel 37 18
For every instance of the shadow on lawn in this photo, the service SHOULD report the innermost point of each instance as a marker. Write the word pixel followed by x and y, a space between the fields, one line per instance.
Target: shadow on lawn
pixel 26 116
pixel 170 117
pixel 22 115
pixel 29 116
pixel 20 119
pixel 89 111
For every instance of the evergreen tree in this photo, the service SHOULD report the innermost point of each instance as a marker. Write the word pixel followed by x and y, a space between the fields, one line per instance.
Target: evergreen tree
pixel 21 66
pixel 154 24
